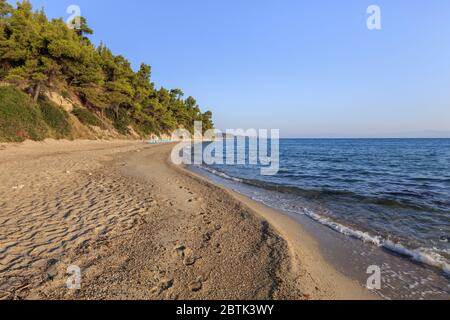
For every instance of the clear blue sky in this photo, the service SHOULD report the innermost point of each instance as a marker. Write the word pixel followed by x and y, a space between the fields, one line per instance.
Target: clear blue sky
pixel 309 68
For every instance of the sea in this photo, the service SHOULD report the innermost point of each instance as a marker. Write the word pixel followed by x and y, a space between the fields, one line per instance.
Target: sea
pixel 370 202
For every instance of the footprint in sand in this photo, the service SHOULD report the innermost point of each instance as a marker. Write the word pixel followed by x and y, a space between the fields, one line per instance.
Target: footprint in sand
pixel 196 285
pixel 189 261
pixel 186 254
pixel 207 237
pixel 179 249
pixel 192 200
pixel 206 220
pixel 163 285
pixel 50 270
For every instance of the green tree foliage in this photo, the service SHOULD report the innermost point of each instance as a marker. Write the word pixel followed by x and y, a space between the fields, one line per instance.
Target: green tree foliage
pixel 79 24
pixel 5 8
pixel 39 54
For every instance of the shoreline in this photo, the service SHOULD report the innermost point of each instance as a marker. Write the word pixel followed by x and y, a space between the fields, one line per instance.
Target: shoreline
pixel 141 228
pixel 306 258
pixel 403 278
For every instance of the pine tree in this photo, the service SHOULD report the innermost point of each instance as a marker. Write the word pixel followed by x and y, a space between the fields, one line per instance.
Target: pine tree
pixel 38 55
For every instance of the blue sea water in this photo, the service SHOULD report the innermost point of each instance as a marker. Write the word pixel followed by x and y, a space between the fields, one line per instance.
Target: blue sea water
pixel 393 193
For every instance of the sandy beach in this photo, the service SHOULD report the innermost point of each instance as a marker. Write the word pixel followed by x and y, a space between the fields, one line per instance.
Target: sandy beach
pixel 141 228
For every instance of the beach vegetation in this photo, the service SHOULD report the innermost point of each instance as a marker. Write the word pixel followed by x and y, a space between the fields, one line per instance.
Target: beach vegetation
pixel 56 118
pixel 87 117
pixel 20 117
pixel 38 55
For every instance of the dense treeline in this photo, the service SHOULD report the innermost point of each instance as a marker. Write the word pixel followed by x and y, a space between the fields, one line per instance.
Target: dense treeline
pixel 38 54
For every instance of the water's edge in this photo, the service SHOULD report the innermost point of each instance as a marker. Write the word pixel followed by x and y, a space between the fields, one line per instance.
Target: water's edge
pixel 405 274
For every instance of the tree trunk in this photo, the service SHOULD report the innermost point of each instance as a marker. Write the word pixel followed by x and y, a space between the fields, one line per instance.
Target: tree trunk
pixel 37 92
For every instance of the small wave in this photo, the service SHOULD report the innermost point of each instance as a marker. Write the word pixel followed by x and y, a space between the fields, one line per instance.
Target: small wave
pixel 360 235
pixel 319 193
pixel 221 174
pixel 422 255
pixel 430 179
pixel 328 192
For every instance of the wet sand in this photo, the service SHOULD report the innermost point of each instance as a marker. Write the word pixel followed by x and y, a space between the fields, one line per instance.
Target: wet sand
pixel 140 228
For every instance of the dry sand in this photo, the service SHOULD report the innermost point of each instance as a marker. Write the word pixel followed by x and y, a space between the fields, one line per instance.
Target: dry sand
pixel 141 228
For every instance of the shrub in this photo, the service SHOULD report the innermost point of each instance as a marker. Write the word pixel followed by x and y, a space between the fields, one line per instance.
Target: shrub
pixel 65 94
pixel 87 117
pixel 20 117
pixel 120 121
pixel 56 118
pixel 144 125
